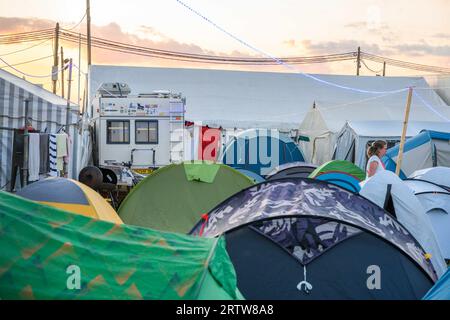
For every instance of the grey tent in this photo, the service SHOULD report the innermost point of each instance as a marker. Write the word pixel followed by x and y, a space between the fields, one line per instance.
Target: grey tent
pixel 292 170
pixel 436 202
pixel 46 111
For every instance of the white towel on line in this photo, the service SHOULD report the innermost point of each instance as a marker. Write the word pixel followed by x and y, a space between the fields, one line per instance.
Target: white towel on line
pixel 61 150
pixel 33 156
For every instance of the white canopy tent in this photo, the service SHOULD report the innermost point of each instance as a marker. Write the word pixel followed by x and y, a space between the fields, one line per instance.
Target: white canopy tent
pixel 332 109
pixel 408 210
pixel 272 100
pixel 352 140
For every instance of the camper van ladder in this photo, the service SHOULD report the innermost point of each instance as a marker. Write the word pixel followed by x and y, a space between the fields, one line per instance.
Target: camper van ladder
pixel 176 124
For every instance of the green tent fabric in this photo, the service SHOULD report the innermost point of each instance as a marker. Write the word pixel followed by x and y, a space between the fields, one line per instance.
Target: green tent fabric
pixel 340 172
pixel 339 166
pixel 198 171
pixel 166 200
pixel 41 245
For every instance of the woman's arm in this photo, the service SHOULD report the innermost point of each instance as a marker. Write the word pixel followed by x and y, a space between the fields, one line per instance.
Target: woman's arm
pixel 372 168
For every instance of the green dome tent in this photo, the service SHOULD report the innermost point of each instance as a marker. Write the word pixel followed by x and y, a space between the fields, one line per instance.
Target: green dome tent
pixel 340 172
pixel 175 197
pixel 45 249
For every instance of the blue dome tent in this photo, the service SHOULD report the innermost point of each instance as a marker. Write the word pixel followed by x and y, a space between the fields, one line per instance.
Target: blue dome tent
pixel 260 151
pixel 425 150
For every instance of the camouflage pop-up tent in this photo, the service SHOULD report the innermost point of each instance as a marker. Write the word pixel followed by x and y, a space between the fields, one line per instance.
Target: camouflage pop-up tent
pixel 340 172
pixel 48 253
pixel 175 197
pixel 299 238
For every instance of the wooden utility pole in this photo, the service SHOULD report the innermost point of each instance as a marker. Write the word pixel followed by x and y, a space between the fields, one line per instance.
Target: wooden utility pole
pixel 55 59
pixel 88 18
pixel 358 61
pixel 79 67
pixel 89 56
pixel 69 86
pixel 405 127
pixel 62 72
pixel 384 68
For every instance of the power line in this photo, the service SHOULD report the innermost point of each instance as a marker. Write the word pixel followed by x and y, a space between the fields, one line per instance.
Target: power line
pixel 105 44
pixel 25 62
pixel 27 74
pixel 368 68
pixel 82 18
pixel 173 55
pixel 405 64
pixel 24 49
pixel 26 37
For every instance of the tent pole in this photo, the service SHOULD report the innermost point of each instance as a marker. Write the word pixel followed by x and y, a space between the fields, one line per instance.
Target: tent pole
pixel 69 86
pixel 405 126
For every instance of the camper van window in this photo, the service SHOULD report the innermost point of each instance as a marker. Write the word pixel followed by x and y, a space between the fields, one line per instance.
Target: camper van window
pixel 118 132
pixel 146 131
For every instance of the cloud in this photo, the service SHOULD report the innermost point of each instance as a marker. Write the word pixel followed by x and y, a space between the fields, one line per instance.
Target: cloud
pixel 381 30
pixel 356 25
pixel 442 36
pixel 15 25
pixel 422 49
pixel 146 36
pixel 370 26
pixel 291 43
pixel 329 47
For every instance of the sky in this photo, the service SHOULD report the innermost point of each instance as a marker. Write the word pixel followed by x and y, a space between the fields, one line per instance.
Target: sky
pixel 411 30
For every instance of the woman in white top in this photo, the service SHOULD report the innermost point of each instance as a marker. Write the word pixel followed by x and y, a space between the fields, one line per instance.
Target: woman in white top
pixel 375 152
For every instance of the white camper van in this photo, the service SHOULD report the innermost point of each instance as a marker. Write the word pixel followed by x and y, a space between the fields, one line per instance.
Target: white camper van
pixel 143 131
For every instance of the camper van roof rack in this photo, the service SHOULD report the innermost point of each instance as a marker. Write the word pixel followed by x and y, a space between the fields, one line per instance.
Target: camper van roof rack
pixel 159 94
pixel 114 89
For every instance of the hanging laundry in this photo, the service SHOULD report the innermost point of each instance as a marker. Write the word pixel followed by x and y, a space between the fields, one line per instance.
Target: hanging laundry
pixel 61 150
pixel 209 143
pixel 33 156
pixel 67 157
pixel 44 152
pixel 52 152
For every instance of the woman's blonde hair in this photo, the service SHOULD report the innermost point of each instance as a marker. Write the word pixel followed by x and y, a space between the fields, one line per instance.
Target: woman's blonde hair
pixel 375 147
